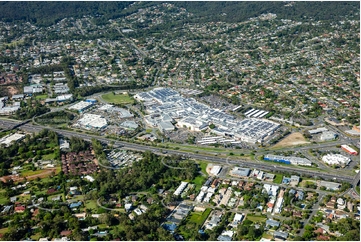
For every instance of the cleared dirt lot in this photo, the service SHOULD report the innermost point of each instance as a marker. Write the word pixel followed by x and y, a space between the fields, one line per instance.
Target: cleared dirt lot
pixel 292 140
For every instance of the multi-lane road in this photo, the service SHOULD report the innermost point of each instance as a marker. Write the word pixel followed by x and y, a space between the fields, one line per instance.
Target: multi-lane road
pixel 329 175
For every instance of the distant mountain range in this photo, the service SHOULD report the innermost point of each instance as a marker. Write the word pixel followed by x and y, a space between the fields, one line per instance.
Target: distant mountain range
pixel 47 13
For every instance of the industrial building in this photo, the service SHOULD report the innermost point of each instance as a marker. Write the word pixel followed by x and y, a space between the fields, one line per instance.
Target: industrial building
pixel 60 88
pixel 215 170
pixel 318 130
pixel 81 106
pixel 349 150
pixel 255 113
pixel 165 126
pixel 92 121
pixel 8 139
pixel 131 125
pixel 288 160
pixel 240 172
pixel 328 135
pixel 33 89
pixel 336 159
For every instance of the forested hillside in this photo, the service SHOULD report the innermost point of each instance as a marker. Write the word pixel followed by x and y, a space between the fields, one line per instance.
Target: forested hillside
pixel 47 13
pixel 229 11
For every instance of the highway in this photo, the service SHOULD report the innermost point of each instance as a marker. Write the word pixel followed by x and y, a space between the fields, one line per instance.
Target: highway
pixel 250 164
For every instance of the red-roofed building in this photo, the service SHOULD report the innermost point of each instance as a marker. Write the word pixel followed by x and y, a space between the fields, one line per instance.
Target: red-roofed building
pixel 20 209
pixel 65 233
pixel 50 191
pixel 319 231
pixel 323 237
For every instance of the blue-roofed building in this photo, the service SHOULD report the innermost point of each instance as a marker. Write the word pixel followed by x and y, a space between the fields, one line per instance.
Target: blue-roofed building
pixel 224 238
pixel 91 100
pixel 169 226
pixel 75 205
pixel 286 180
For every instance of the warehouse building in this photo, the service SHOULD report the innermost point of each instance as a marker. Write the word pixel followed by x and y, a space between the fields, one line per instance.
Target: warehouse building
pixel 336 159
pixel 131 125
pixel 328 135
pixel 7 140
pixel 165 126
pixel 288 160
pixel 81 106
pixel 349 150
pixel 92 121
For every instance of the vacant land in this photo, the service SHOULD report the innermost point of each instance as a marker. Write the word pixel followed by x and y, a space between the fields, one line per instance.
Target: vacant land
pixel 256 219
pixel 43 96
pixel 199 218
pixel 118 98
pixel 278 179
pixel 292 140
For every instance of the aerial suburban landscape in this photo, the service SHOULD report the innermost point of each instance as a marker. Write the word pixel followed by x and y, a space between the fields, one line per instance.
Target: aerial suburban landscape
pixel 201 121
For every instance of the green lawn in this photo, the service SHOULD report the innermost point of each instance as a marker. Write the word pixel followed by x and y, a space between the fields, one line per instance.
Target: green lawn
pixel 36 236
pixel 3 200
pixel 199 180
pixel 91 204
pixel 203 166
pixel 278 179
pixel 23 199
pixel 48 156
pixel 102 226
pixel 199 218
pixel 267 236
pixel 256 219
pixel 3 230
pixel 43 96
pixel 118 98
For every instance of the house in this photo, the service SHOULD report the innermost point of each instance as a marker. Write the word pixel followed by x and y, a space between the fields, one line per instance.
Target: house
pixel 65 233
pixel 134 198
pixel 6 209
pixel 300 195
pixel 80 216
pixel 330 205
pixel 75 205
pixel 297 214
pixel 51 191
pixel 323 238
pixel 272 223
pixel 150 200
pixel 20 209
pixel 128 206
pixel 101 234
pixel 280 235
pixel 319 231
